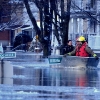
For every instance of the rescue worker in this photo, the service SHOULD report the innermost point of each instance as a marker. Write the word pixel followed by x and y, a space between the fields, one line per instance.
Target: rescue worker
pixel 35 45
pixel 82 49
pixel 69 47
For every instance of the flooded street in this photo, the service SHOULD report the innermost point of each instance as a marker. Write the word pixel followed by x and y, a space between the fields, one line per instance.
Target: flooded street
pixel 41 81
pixel 49 49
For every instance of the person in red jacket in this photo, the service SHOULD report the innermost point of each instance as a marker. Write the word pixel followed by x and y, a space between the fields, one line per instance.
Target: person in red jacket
pixel 82 49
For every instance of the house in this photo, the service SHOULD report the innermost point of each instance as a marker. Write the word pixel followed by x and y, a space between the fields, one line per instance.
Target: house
pixel 13 20
pixel 84 18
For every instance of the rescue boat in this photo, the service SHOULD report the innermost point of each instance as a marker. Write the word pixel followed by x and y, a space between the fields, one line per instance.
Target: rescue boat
pixel 74 61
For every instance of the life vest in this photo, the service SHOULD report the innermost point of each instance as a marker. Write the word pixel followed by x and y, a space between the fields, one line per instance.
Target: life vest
pixel 80 51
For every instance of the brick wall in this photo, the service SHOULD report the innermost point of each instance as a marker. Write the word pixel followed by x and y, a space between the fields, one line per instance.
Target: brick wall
pixel 4 35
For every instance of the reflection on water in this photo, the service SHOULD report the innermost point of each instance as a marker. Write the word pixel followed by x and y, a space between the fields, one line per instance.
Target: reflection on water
pixel 54 77
pixel 49 83
pixel 65 77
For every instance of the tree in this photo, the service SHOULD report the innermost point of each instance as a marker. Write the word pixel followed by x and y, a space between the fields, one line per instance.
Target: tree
pixel 53 13
pixel 65 17
pixel 49 12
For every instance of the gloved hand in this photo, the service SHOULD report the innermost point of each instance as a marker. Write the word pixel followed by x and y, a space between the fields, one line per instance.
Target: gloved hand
pixel 68 54
pixel 96 57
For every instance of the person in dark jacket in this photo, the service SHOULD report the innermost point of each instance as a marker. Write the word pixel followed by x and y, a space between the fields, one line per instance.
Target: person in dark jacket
pixel 82 49
pixel 69 47
pixel 24 47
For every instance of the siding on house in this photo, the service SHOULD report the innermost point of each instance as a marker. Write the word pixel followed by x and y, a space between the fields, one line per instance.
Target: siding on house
pixel 5 38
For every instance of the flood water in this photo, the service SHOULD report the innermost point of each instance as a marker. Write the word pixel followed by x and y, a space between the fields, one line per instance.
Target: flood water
pixel 44 82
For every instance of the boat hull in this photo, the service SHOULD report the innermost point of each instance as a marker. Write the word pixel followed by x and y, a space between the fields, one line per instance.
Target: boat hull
pixel 74 61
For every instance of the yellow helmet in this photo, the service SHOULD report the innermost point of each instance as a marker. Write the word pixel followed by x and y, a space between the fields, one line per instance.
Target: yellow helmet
pixel 81 38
